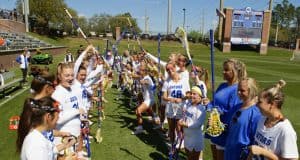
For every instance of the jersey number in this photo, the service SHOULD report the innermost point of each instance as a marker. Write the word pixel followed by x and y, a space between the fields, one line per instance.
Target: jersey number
pixel 75 105
pixel 176 94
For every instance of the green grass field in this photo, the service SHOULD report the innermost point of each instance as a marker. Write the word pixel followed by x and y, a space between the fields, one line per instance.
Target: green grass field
pixel 118 143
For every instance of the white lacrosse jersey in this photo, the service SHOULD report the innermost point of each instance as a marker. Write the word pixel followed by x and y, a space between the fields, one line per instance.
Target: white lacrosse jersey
pixel 68 120
pixel 175 90
pixel 185 75
pixel 82 95
pixel 281 139
pixel 203 88
pixel 149 89
pixel 36 146
pixel 193 135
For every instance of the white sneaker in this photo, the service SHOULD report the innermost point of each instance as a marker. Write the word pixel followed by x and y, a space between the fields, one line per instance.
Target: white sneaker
pixel 165 121
pixel 84 143
pixel 104 100
pixel 156 120
pixel 157 126
pixel 138 130
pixel 149 118
pixel 82 154
pixel 182 145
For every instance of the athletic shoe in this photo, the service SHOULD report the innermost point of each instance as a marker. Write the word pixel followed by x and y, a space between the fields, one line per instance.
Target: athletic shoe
pixel 104 100
pixel 156 120
pixel 165 121
pixel 149 118
pixel 138 130
pixel 182 145
pixel 103 115
pixel 168 144
pixel 157 126
pixel 81 154
pixel 84 142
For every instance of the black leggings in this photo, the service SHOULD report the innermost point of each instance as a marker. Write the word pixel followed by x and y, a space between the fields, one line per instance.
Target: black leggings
pixel 24 73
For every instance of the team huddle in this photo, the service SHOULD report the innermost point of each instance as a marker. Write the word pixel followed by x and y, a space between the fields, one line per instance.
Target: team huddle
pixel 242 123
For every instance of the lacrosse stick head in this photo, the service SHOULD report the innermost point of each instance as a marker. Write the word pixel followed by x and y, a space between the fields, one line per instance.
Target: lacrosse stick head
pixel 181 34
pixel 98 136
pixel 215 127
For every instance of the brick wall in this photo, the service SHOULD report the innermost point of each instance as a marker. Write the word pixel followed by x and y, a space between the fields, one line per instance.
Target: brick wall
pixel 227 30
pixel 265 32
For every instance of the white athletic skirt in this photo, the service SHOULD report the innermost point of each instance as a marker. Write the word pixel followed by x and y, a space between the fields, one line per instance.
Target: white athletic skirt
pixel 174 110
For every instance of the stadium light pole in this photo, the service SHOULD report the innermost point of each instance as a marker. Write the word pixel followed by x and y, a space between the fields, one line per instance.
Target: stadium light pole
pixel 183 18
pixel 169 22
pixel 26 12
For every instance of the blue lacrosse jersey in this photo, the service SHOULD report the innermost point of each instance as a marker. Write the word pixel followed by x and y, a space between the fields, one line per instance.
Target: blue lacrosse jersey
pixel 228 102
pixel 241 131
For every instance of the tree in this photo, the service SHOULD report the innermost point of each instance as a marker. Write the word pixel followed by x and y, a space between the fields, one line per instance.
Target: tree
pixel 194 36
pixel 297 17
pixel 284 13
pixel 121 21
pixel 99 23
pixel 50 12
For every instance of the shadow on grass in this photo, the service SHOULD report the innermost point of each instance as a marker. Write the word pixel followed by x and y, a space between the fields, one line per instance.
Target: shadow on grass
pixel 126 116
pixel 130 153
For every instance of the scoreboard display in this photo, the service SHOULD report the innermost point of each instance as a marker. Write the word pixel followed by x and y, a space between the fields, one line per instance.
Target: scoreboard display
pixel 246 26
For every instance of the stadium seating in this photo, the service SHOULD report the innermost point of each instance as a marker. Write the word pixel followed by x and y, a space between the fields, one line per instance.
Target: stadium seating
pixel 20 40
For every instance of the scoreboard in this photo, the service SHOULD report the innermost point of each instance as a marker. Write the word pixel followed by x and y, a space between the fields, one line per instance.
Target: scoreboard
pixel 246 26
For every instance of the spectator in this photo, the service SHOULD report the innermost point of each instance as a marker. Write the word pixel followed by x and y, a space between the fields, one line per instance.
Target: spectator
pixel 80 50
pixel 22 59
pixel 2 41
pixel 15 15
pixel 28 54
pixel 109 58
pixel 69 56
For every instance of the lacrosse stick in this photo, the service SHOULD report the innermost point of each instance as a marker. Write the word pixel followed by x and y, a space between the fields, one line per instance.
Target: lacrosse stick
pixel 85 132
pixel 180 136
pixel 215 127
pixel 159 93
pixel 173 151
pixel 136 36
pixel 67 139
pixel 99 107
pixel 182 35
pixel 158 53
pixel 77 27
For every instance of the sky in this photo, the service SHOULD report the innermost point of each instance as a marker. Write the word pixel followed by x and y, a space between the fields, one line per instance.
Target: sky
pixel 157 10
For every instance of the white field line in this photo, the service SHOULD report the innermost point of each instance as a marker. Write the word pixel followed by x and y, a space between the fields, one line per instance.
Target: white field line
pixel 13 96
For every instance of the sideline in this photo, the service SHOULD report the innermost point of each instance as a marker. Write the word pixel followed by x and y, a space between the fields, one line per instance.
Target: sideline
pixel 13 96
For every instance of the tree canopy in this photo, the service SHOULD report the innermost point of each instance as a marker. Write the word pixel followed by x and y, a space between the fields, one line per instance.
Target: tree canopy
pixel 50 14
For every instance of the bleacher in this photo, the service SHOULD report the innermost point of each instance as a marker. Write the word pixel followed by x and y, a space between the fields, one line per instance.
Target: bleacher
pixel 18 41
